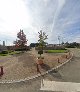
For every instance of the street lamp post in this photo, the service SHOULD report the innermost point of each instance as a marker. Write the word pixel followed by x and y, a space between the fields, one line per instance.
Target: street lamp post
pixel 59 40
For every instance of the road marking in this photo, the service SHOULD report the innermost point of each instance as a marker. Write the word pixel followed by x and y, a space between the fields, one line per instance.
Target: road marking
pixel 60 86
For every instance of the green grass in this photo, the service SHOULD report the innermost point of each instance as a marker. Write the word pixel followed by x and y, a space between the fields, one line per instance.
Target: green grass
pixel 56 51
pixel 3 54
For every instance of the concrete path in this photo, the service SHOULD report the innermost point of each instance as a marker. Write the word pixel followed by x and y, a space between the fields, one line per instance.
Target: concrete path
pixel 60 86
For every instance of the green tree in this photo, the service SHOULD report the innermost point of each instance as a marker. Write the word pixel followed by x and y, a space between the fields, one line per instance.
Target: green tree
pixel 42 38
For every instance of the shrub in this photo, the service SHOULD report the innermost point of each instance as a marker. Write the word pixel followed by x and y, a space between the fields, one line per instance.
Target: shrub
pixel 9 51
pixel 40 52
pixel 4 52
pixel 40 57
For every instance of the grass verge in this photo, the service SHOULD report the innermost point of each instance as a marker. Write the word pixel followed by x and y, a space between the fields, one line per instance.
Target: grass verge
pixel 3 54
pixel 56 51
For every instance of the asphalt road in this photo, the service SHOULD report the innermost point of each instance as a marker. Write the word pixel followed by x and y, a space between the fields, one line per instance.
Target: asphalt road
pixel 68 73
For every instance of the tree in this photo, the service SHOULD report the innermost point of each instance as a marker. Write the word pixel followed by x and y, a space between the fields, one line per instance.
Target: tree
pixel 22 41
pixel 41 41
pixel 42 38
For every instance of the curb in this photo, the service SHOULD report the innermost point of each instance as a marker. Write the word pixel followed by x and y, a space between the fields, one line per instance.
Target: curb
pixel 36 76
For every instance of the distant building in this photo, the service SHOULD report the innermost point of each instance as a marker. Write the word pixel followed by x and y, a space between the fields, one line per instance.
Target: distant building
pixel 54 46
pixel 51 45
pixel 10 47
pixel 3 47
pixel 18 48
pixel 4 43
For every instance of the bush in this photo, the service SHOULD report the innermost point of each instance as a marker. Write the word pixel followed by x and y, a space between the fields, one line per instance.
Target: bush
pixel 40 57
pixel 40 52
pixel 4 52
pixel 11 54
pixel 10 51
pixel 21 49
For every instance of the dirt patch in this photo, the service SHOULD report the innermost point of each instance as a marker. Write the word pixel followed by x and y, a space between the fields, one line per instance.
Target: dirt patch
pixel 24 65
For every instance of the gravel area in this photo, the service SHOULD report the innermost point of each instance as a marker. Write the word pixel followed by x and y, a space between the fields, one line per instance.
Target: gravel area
pixel 24 65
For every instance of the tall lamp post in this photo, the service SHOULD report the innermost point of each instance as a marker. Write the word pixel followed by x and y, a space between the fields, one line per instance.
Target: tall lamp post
pixel 0 41
pixel 59 40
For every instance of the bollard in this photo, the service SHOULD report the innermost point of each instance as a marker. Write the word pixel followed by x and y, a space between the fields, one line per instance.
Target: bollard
pixel 40 61
pixel 1 73
pixel 69 53
pixel 38 71
pixel 58 60
pixel 66 57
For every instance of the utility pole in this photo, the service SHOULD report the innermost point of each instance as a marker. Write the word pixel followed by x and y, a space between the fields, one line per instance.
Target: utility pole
pixel 6 42
pixel 0 42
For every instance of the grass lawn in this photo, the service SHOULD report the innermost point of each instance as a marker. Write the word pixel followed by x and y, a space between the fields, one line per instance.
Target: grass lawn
pixel 3 54
pixel 56 51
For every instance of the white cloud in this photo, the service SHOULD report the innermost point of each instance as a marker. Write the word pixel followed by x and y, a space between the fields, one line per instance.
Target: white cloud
pixel 45 2
pixel 14 14
pixel 52 16
pixel 58 9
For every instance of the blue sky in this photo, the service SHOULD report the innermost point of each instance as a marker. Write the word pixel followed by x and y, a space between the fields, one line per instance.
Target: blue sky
pixel 55 17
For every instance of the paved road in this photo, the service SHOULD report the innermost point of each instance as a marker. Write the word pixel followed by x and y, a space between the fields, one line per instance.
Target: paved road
pixel 70 73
